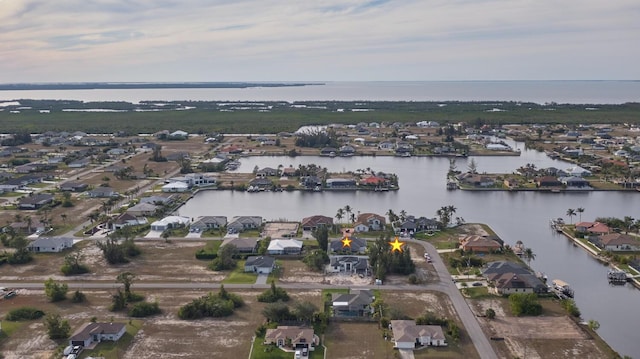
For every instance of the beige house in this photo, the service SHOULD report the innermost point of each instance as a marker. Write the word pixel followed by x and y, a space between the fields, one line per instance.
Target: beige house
pixel 292 337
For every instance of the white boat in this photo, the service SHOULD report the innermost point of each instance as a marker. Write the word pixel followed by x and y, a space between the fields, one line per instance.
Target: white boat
pixel 562 287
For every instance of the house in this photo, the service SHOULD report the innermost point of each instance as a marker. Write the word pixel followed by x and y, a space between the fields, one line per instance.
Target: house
pixel 314 222
pixel 574 182
pixel 243 223
pixel 510 277
pixel 266 172
pixel 158 200
pixel 73 186
pixel 91 333
pixel 80 163
pixel 127 219
pixel 578 171
pixel 479 244
pixel 284 246
pixel 179 134
pixel 143 209
pixel 175 187
pixel 348 264
pixel 414 225
pixel 259 264
pixel 50 244
pixel 310 182
pixel 169 222
pixel 243 245
pixel 28 226
pixel 260 183
pixel 478 181
pixel 355 245
pixel 116 152
pixel 102 192
pixel 341 183
pixel 357 303
pixel 374 222
pixel 346 151
pixel 547 181
pixel 209 222
pixel 374 181
pixel 408 335
pixel 292 337
pixel 195 179
pixel 616 242
pixel 36 201
pixel 592 228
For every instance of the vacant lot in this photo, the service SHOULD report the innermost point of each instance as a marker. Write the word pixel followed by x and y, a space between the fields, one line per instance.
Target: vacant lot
pixel 553 335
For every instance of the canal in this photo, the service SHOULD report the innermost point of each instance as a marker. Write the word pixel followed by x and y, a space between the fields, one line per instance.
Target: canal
pixel 512 215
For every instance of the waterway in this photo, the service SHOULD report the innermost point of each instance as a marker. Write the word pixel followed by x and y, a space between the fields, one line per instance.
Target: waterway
pixel 575 92
pixel 513 215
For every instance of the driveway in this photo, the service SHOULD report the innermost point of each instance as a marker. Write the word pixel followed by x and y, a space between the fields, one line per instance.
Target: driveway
pixel 406 353
pixel 262 279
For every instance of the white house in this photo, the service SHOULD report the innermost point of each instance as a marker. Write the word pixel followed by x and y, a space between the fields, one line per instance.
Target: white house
pixel 169 222
pixel 578 171
pixel 175 187
pixel 408 335
pixel 96 333
pixel 284 246
pixel 259 264
pixel 50 244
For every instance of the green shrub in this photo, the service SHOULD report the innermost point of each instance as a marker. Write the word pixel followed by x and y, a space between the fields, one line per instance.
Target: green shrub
pixel 24 313
pixel 205 255
pixel 144 309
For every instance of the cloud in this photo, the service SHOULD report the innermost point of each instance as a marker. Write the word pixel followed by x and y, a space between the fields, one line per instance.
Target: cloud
pixel 136 40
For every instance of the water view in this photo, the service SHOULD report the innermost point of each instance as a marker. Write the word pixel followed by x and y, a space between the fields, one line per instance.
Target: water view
pixel 514 216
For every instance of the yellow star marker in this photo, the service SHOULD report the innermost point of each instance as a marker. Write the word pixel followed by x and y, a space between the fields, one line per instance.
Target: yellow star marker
pixel 396 245
pixel 346 242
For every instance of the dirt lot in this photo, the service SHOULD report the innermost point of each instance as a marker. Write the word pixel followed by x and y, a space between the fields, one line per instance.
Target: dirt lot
pixel 549 336
pixel 171 262
pixel 163 336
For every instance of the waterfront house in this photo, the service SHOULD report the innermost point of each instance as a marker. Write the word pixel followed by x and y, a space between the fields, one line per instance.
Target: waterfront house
pixel 209 222
pixel 616 242
pixel 175 187
pixel 143 209
pixel 266 172
pixel 479 244
pixel 408 335
pixel 372 221
pixel 292 338
pixel 244 223
pixel 35 201
pixel 259 264
pixel 341 183
pixel 547 181
pixel 574 182
pixel 510 277
pixel 284 246
pixel 592 228
pixel 169 222
pixel 260 183
pixel 314 222
pixel 50 244
pixel 357 303
pixel 91 333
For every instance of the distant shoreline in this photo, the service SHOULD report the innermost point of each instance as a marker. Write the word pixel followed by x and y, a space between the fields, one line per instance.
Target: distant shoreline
pixel 144 85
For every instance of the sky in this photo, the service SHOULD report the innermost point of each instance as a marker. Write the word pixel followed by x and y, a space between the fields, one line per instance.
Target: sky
pixel 318 40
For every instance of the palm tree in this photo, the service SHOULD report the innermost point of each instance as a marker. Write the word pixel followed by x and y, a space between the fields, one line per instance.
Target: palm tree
pixel 392 216
pixel 580 211
pixel 340 214
pixel 403 215
pixel 529 256
pixel 348 210
pixel 629 222
pixel 571 212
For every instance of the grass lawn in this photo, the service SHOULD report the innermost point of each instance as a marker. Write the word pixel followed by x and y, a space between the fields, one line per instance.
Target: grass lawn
pixel 476 292
pixel 115 350
pixel 238 275
pixel 8 328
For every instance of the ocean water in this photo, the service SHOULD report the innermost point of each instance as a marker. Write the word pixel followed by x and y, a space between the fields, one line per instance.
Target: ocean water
pixel 573 92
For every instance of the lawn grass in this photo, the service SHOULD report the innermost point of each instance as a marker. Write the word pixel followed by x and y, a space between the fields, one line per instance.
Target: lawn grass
pixel 476 292
pixel 8 328
pixel 115 350
pixel 239 276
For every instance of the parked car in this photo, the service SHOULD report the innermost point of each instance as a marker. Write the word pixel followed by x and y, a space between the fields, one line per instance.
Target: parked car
pixel 477 284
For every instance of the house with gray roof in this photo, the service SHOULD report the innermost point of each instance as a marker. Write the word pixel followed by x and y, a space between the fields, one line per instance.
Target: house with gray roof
pixel 50 244
pixel 243 245
pixel 102 192
pixel 209 222
pixel 510 277
pixel 243 223
pixel 91 333
pixel 408 335
pixel 348 264
pixel 357 303
pixel 35 201
pixel 356 246
pixel 143 209
pixel 259 264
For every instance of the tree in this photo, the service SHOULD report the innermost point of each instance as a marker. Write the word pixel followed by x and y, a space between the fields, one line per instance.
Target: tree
pixel 126 278
pixel 580 211
pixel 316 260
pixel 348 210
pixel 224 260
pixel 524 304
pixel 594 324
pixel 340 214
pixel 304 311
pixel 276 312
pixel 473 166
pixel 529 256
pixel 321 234
pixel 629 223
pixel 571 212
pixel 55 291
pixel 490 313
pixel 57 328
pixel 392 216
pixel 73 264
pixel 78 297
pixel 273 294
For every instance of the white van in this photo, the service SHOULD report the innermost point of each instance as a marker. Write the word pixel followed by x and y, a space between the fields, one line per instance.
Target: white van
pixel 298 354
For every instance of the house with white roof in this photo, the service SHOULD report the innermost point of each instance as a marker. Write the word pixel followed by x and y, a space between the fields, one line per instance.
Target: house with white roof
pixel 169 223
pixel 284 246
pixel 50 244
pixel 175 187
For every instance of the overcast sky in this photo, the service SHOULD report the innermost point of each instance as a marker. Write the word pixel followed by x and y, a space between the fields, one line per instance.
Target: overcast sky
pixel 318 40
